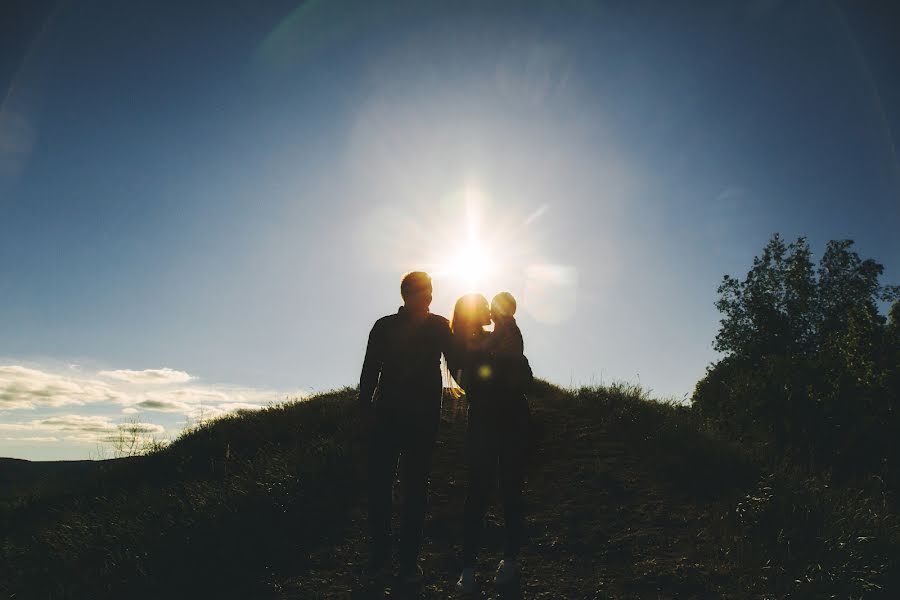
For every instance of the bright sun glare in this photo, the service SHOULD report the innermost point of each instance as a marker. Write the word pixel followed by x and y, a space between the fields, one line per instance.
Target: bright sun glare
pixel 473 262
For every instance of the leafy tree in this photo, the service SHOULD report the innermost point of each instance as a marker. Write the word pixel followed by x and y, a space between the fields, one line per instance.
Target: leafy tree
pixel 848 285
pixel 771 312
pixel 810 367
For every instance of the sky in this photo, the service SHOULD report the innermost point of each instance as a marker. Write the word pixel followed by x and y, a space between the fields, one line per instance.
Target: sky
pixel 204 206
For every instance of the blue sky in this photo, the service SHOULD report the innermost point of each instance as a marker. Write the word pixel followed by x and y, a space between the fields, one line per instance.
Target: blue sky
pixel 207 207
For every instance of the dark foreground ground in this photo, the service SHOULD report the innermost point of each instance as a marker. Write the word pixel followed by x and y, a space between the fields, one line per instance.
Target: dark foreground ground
pixel 627 499
pixel 605 521
pixel 22 477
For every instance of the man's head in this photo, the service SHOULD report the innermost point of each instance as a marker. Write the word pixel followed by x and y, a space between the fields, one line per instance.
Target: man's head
pixel 503 306
pixel 415 288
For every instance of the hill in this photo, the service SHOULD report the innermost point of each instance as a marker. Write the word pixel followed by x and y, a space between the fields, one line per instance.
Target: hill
pixel 23 477
pixel 628 498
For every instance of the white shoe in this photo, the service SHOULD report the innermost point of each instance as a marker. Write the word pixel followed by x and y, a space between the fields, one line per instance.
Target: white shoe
pixel 507 571
pixel 466 583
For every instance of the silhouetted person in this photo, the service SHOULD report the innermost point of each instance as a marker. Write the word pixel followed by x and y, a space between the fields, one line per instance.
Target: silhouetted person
pixel 506 339
pixel 492 369
pixel 400 395
pixel 507 348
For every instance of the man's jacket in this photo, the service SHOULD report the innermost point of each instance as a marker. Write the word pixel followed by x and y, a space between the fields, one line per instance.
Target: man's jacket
pixel 401 373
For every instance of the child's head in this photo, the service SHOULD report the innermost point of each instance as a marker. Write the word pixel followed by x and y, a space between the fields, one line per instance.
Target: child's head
pixel 503 306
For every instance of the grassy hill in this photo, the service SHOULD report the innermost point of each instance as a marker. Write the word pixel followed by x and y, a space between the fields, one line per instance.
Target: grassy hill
pixel 628 498
pixel 19 477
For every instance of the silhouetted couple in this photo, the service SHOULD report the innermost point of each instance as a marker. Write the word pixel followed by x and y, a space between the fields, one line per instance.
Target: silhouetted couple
pixel 400 397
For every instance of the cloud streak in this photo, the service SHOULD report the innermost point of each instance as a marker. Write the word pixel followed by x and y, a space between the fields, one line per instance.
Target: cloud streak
pixel 78 428
pixel 112 396
pixel 151 376
pixel 25 388
pixel 163 405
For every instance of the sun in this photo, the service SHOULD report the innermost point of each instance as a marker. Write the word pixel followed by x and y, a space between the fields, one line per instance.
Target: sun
pixel 472 264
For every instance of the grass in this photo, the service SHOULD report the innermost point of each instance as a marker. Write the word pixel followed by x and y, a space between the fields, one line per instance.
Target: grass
pixel 628 498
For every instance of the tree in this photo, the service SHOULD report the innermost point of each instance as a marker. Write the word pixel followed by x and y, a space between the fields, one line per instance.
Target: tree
pixel 810 366
pixel 848 285
pixel 771 312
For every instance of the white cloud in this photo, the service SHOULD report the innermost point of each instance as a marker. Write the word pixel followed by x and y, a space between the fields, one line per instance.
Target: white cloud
pixel 124 394
pixel 163 405
pixel 80 428
pixel 207 402
pixel 81 423
pixel 25 388
pixel 191 394
pixel 151 389
pixel 155 376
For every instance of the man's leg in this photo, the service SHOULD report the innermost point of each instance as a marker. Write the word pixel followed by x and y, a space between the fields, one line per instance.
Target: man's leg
pixel 383 452
pixel 415 464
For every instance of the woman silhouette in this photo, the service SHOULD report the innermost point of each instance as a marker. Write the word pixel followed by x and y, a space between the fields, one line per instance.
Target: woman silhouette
pixel 496 431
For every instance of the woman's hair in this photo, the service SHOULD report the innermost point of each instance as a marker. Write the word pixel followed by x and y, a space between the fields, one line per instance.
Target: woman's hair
pixel 470 314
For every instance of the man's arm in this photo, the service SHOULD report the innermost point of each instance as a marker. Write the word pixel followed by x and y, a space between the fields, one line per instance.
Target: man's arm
pixel 371 370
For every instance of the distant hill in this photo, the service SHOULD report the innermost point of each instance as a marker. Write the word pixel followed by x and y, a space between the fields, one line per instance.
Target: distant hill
pixel 627 497
pixel 19 477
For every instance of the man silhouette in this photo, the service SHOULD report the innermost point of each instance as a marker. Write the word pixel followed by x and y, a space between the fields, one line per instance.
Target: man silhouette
pixel 400 397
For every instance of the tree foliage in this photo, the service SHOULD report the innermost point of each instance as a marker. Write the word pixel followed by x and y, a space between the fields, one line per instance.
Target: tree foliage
pixel 810 367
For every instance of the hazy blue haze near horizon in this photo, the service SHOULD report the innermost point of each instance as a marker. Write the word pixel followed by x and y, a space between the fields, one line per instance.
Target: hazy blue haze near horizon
pixel 232 191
